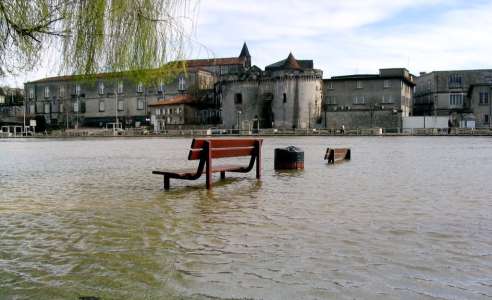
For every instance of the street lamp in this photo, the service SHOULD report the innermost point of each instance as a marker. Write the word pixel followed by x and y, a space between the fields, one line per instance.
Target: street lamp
pixel 116 105
pixel 238 120
pixel 78 108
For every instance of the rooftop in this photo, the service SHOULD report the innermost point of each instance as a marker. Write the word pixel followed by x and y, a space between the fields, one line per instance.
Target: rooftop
pixel 290 63
pixel 181 99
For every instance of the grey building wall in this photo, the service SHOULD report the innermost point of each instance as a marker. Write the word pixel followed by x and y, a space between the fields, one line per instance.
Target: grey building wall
pixel 56 98
pixel 363 119
pixel 263 100
pixel 366 101
pixel 434 90
pixel 235 112
pixel 481 105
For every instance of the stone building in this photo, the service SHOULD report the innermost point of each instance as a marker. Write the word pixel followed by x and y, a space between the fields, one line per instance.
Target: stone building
pixel 11 106
pixel 368 101
pixel 288 94
pixel 461 94
pixel 69 101
pixel 174 112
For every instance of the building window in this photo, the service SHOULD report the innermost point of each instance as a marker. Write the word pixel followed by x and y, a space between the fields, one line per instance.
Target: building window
pixel 285 98
pixel 31 93
pixel 62 91
pixel 46 91
pixel 484 98
pixel 332 100
pixel 455 81
pixel 162 87
pixel 120 87
pixel 359 84
pixel 181 84
pixel 120 105
pixel 455 99
pixel 101 105
pixel 387 84
pixel 359 100
pixel 387 99
pixel 330 85
pixel 46 108
pixel 75 107
pixel 429 85
pixel 61 107
pixel 486 119
pixel 101 88
pixel 238 98
pixel 140 104
pixel 140 87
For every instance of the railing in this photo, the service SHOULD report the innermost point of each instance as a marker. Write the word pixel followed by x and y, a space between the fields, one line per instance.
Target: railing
pixel 141 132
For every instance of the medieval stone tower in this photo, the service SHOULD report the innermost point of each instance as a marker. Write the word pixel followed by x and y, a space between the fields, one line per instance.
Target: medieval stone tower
pixel 287 95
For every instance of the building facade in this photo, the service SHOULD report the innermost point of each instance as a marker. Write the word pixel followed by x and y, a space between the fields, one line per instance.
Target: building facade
pixel 287 95
pixel 368 101
pixel 11 106
pixel 463 95
pixel 70 102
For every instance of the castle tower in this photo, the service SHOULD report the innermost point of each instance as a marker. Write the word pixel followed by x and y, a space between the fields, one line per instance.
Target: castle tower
pixel 245 54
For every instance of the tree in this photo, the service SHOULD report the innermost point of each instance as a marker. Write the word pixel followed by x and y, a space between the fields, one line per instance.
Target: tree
pixel 94 35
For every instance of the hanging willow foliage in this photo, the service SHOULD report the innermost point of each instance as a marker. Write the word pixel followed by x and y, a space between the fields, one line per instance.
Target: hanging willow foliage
pixel 130 36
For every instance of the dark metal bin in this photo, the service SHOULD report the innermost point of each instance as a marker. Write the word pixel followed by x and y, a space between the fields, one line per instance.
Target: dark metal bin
pixel 290 158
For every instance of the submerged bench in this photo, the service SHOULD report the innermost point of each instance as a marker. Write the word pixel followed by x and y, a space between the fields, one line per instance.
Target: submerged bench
pixel 337 154
pixel 208 150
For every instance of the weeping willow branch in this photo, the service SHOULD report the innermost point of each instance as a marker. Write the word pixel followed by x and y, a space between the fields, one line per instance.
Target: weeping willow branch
pixel 133 36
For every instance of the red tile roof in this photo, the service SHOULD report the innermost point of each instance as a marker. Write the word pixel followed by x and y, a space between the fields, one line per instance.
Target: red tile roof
pixel 193 63
pixel 181 99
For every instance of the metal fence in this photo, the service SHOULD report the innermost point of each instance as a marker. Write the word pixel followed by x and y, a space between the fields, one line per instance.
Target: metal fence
pixel 141 132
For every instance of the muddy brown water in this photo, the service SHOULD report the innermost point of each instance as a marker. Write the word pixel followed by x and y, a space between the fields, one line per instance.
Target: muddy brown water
pixel 406 218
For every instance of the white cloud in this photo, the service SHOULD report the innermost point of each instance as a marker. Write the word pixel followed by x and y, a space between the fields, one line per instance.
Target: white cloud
pixel 345 37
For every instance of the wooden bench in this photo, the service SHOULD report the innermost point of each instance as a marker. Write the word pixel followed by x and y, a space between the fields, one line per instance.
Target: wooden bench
pixel 337 154
pixel 207 150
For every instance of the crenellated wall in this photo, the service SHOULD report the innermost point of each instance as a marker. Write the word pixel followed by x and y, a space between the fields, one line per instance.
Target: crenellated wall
pixel 283 99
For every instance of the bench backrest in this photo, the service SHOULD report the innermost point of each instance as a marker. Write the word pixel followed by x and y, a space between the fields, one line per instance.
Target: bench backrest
pixel 333 154
pixel 223 148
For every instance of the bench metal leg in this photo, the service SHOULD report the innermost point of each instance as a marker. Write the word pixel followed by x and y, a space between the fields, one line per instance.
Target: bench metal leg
pixel 166 182
pixel 258 160
pixel 222 175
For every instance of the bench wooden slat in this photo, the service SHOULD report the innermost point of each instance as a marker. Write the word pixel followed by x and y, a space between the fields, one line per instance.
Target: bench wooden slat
pixel 337 154
pixel 223 143
pixel 196 154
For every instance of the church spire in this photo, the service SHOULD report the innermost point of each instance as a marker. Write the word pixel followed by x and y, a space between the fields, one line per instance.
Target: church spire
pixel 245 54
pixel 244 51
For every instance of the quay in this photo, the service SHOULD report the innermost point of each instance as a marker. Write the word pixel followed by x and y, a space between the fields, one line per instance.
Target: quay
pixel 140 132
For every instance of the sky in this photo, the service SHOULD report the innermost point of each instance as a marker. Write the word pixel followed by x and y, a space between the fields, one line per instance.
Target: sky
pixel 342 37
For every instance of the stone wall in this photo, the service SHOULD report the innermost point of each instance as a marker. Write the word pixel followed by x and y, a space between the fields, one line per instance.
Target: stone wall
pixel 264 100
pixel 363 119
pixel 249 108
pixel 62 96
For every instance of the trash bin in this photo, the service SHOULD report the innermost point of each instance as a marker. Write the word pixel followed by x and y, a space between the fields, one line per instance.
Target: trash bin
pixel 290 158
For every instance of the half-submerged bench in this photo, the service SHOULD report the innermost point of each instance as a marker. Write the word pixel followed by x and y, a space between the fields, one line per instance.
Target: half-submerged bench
pixel 337 154
pixel 207 150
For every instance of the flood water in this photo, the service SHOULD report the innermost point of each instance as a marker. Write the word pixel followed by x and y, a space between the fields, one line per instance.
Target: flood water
pixel 406 218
